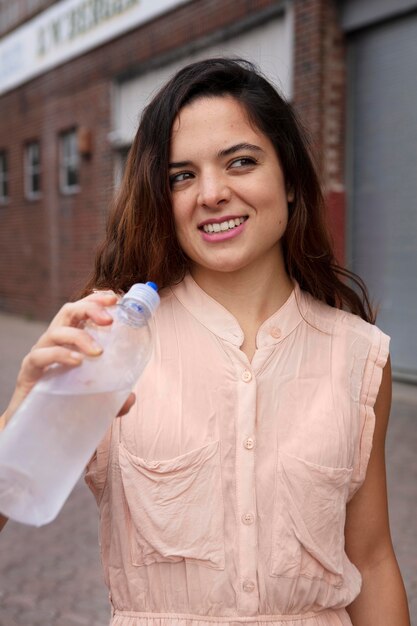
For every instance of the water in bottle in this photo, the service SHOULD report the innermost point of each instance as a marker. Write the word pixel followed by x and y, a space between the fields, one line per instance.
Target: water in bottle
pixel 53 434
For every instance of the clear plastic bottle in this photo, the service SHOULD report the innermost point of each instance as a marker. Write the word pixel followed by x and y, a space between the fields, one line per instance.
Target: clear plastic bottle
pixel 55 431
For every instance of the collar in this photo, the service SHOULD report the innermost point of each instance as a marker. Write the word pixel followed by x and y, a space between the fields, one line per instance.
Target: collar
pixel 216 318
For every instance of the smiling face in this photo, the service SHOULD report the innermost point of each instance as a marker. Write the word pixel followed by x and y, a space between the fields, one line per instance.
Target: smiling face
pixel 229 196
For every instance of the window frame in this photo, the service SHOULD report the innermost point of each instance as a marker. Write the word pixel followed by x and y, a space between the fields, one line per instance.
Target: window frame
pixel 4 177
pixel 31 170
pixel 68 161
pixel 120 160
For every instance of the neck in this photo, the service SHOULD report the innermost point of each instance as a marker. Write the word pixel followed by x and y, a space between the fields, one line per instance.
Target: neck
pixel 251 294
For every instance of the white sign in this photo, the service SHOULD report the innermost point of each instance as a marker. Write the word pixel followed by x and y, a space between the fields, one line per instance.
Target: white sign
pixel 67 29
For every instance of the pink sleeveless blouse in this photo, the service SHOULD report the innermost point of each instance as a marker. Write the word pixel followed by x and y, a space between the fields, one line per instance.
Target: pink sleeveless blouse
pixel 222 493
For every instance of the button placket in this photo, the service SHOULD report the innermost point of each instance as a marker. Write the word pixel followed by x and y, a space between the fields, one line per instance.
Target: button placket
pixel 245 488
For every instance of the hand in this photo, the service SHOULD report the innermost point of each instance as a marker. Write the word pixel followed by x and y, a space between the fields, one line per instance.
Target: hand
pixel 65 342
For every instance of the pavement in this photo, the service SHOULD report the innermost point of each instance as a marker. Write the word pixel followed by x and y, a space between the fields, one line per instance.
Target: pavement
pixel 51 576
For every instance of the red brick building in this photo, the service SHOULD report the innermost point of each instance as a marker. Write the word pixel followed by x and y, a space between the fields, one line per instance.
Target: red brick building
pixel 75 74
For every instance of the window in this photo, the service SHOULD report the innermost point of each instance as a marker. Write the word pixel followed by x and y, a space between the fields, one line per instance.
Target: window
pixel 69 163
pixel 120 165
pixel 4 178
pixel 33 170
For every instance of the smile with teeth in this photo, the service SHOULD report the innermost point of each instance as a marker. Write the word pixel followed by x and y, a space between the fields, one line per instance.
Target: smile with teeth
pixel 223 226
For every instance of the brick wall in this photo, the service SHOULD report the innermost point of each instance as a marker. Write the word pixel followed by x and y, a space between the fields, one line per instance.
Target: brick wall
pixel 319 95
pixel 47 246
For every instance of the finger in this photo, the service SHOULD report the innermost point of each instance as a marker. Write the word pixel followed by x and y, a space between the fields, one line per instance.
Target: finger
pixel 35 363
pixel 127 405
pixel 34 366
pixel 103 297
pixel 73 313
pixel 102 292
pixel 67 336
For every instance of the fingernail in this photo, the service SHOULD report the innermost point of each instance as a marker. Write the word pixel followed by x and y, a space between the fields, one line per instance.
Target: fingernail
pixel 76 356
pixel 95 348
pixel 107 315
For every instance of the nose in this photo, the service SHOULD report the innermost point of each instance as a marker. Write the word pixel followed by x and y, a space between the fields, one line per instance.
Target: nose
pixel 214 191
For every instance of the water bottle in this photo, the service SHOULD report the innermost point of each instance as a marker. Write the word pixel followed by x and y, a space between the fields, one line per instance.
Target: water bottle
pixel 55 431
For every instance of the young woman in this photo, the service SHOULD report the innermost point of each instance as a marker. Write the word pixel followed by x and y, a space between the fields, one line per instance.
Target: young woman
pixel 246 484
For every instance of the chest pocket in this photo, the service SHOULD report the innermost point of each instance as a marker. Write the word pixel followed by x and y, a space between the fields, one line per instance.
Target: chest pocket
pixel 309 520
pixel 175 507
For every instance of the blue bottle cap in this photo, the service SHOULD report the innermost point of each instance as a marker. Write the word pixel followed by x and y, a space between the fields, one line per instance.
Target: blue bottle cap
pixel 153 285
pixel 145 295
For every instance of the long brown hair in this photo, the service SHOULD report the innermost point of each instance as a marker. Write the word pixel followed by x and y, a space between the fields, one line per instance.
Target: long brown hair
pixel 141 243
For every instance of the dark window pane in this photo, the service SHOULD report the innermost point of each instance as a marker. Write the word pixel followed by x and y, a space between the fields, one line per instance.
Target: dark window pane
pixel 4 187
pixel 72 176
pixel 36 183
pixel 3 164
pixel 35 155
pixel 69 162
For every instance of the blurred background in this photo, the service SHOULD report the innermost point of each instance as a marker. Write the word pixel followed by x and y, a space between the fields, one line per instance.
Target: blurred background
pixel 76 74
pixel 74 78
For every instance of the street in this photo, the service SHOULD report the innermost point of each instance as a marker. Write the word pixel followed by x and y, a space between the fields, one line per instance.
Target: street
pixel 51 576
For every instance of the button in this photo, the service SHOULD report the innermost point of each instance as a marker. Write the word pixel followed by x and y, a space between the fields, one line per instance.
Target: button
pixel 248 586
pixel 246 376
pixel 275 332
pixel 248 518
pixel 249 443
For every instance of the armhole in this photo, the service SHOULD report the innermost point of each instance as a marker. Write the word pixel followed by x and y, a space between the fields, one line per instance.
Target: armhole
pixel 96 471
pixel 371 382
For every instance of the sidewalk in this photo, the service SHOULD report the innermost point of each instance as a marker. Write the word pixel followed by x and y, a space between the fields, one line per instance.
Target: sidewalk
pixel 51 576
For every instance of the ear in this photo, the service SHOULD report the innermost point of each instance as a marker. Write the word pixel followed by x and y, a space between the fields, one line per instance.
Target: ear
pixel 290 195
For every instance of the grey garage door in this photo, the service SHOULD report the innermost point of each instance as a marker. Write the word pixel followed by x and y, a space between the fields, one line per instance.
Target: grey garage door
pixel 382 178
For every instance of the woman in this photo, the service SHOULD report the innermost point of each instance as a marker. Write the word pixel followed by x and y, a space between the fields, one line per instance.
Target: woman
pixel 247 483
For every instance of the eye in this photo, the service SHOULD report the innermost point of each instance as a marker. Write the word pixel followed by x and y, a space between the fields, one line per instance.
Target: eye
pixel 243 162
pixel 179 178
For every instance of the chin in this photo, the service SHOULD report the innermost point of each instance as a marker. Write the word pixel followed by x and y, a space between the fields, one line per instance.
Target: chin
pixel 225 268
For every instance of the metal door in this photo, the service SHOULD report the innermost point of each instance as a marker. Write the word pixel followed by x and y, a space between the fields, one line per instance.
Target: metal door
pixel 382 178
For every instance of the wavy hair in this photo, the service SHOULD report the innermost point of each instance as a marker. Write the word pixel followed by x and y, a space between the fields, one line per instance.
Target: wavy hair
pixel 141 243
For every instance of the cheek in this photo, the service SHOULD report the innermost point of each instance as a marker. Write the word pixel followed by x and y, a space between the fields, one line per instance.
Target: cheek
pixel 178 218
pixel 181 224
pixel 278 217
pixel 180 208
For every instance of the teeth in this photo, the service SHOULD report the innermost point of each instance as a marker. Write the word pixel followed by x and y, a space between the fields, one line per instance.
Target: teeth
pixel 223 226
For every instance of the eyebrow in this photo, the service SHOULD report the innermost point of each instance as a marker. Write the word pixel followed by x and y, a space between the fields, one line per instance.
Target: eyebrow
pixel 222 153
pixel 238 147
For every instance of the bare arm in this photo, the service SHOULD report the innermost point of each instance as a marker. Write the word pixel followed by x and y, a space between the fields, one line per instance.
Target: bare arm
pixel 382 599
